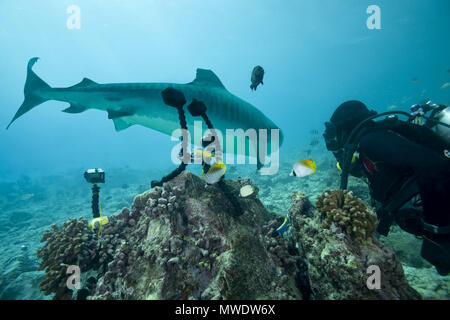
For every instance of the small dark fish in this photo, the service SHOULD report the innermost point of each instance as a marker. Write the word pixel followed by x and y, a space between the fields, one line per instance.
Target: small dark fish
pixel 415 80
pixel 448 71
pixel 307 152
pixel 125 186
pixel 314 132
pixel 314 142
pixel 257 77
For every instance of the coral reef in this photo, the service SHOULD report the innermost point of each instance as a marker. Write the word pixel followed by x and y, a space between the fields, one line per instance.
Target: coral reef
pixel 185 244
pixel 71 244
pixel 180 241
pixel 351 214
pixel 66 197
pixel 338 263
pixel 75 244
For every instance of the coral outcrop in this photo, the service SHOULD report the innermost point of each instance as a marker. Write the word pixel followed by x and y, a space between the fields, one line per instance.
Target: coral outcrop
pixel 183 241
pixel 355 217
pixel 338 264
pixel 186 244
pixel 71 244
pixel 179 241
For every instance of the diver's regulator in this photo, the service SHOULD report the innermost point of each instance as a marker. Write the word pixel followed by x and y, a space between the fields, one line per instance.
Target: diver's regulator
pixel 96 176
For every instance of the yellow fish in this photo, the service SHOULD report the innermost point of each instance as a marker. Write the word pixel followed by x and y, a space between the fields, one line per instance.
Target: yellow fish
pixel 303 168
pixel 215 173
pixel 206 154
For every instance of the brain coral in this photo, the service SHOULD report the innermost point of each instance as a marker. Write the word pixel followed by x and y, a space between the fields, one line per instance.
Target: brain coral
pixel 350 213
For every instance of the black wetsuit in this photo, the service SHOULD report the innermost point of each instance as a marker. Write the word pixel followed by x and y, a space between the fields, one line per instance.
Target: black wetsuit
pixel 387 159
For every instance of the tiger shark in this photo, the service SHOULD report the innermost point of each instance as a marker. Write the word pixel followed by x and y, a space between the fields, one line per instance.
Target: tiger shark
pixel 128 104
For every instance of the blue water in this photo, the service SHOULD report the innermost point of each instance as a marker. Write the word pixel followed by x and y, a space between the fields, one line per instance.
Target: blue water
pixel 316 54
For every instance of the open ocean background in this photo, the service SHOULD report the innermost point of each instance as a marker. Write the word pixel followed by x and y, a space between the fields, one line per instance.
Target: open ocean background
pixel 316 55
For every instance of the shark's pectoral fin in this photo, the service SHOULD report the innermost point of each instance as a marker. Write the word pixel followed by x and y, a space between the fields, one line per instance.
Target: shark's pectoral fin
pixel 120 124
pixel 74 108
pixel 113 114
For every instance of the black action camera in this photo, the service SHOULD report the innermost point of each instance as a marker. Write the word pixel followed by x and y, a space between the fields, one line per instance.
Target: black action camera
pixel 95 176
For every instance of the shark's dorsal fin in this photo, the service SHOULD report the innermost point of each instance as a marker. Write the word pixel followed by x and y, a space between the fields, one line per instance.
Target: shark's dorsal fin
pixel 206 77
pixel 85 83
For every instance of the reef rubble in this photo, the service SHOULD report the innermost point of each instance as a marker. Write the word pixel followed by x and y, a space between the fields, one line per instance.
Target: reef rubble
pixel 183 241
pixel 339 260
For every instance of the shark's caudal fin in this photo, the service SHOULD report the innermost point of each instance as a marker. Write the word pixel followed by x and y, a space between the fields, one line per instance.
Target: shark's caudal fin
pixel 33 84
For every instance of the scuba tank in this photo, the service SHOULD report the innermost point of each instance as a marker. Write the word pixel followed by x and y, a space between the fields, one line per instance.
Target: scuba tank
pixel 438 120
pixel 444 117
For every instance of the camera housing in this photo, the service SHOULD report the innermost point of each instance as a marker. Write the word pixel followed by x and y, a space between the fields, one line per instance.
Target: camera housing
pixel 95 176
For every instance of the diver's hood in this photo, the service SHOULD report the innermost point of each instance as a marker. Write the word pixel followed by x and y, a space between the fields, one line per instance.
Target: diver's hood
pixel 349 114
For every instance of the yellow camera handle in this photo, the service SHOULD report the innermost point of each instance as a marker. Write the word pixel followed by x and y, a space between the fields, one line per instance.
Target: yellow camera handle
pixel 98 223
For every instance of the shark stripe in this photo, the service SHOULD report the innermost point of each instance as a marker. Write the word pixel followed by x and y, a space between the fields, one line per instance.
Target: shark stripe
pixel 141 103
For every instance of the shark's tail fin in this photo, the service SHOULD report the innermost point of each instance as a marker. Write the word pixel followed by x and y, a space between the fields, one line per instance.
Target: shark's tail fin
pixel 33 85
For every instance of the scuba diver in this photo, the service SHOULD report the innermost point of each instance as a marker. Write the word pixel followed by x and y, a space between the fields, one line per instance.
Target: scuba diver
pixel 406 165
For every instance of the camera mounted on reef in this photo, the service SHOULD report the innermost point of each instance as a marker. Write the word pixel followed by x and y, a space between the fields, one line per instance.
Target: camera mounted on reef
pixel 95 176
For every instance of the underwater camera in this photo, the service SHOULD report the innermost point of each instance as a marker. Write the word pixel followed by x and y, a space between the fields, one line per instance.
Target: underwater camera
pixel 95 176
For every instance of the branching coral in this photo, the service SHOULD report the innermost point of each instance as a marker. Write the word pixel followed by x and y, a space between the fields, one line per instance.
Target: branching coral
pixel 115 250
pixel 350 213
pixel 71 244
